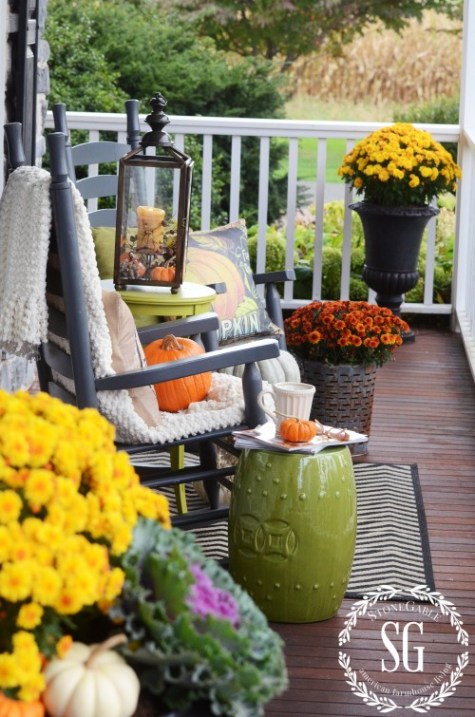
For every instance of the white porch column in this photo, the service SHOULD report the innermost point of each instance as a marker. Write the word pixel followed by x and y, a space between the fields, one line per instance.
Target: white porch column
pixel 464 261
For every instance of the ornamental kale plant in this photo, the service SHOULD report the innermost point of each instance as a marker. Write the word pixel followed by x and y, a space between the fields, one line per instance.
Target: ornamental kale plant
pixel 194 634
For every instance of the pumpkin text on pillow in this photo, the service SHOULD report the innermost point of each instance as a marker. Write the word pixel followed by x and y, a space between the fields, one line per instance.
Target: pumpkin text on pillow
pixel 127 354
pixel 221 255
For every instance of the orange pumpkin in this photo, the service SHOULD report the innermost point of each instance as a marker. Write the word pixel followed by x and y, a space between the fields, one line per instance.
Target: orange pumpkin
pixel 177 395
pixel 16 708
pixel 295 430
pixel 163 273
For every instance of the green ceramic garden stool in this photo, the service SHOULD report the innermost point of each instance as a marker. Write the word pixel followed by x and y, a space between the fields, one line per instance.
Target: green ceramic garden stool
pixel 292 531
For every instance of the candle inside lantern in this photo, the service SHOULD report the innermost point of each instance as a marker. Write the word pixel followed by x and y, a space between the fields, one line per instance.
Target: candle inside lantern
pixel 150 228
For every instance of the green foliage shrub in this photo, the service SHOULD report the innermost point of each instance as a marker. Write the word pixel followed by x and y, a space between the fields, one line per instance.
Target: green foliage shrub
pixel 104 53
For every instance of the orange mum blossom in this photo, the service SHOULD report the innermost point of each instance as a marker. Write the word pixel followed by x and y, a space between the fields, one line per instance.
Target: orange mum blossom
pixel 69 504
pixel 344 332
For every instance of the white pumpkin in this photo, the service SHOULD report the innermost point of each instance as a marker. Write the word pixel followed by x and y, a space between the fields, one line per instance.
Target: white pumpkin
pixel 91 681
pixel 283 367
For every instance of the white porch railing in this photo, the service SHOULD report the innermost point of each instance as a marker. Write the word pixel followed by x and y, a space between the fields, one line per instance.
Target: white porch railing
pixel 210 127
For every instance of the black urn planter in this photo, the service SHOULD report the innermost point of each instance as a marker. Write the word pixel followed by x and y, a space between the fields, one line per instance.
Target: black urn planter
pixel 393 237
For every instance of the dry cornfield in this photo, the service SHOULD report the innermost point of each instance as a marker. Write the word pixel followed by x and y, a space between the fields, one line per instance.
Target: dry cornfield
pixel 381 66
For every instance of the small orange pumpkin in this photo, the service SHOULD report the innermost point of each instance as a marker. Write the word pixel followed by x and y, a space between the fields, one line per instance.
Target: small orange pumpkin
pixel 16 708
pixel 177 395
pixel 163 273
pixel 296 430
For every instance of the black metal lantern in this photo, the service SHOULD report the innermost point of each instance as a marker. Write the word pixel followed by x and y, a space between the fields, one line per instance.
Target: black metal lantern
pixel 153 207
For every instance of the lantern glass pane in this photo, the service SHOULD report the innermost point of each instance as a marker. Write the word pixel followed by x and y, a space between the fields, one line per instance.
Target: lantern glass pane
pixel 148 236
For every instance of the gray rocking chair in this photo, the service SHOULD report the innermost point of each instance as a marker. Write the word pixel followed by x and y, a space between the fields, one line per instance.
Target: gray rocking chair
pixel 73 365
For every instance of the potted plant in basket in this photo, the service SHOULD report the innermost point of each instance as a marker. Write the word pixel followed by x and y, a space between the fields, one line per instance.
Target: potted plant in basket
pixel 398 170
pixel 87 554
pixel 339 345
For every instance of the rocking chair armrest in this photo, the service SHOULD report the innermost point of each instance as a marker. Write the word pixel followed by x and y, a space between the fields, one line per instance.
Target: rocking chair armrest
pixel 188 326
pixel 211 361
pixel 274 277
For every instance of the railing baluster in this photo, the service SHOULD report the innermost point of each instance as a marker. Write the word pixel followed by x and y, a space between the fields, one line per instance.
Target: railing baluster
pixel 207 175
pixel 263 199
pixel 319 209
pixel 235 181
pixel 430 262
pixel 291 209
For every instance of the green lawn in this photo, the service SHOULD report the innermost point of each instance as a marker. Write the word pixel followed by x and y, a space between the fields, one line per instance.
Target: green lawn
pixel 307 159
pixel 310 108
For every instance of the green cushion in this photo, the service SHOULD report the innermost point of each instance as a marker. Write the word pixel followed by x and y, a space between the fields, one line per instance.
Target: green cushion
pixel 104 244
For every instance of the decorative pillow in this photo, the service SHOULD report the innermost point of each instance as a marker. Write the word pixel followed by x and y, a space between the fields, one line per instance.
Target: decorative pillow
pixel 127 354
pixel 104 246
pixel 221 255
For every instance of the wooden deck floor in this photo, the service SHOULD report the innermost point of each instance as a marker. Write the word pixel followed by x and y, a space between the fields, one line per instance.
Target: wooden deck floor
pixel 424 413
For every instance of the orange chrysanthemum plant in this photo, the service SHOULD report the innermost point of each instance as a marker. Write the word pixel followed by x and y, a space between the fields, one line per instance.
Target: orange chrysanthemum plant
pixel 399 166
pixel 344 332
pixel 69 502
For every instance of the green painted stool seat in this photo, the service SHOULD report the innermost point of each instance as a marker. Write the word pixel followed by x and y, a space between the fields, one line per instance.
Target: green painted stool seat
pixel 292 531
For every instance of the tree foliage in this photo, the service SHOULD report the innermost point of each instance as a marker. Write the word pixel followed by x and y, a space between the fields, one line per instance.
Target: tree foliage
pixel 80 75
pixel 102 53
pixel 290 29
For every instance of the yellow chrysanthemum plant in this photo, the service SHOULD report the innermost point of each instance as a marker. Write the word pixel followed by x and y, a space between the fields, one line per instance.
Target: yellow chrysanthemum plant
pixel 399 166
pixel 69 502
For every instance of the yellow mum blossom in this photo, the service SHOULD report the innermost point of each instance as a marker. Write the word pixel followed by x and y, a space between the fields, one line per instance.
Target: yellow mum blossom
pixel 113 584
pixel 5 543
pixel 46 585
pixel 22 549
pixel 8 475
pixel 63 646
pixel 41 438
pixel 399 165
pixel 68 461
pixel 84 586
pixel 97 557
pixel 13 443
pixel 121 540
pixel 9 671
pixel 67 511
pixel 76 517
pixel 15 581
pixel 32 690
pixel 68 602
pixel 425 171
pixel 39 486
pixel 10 506
pixel 29 615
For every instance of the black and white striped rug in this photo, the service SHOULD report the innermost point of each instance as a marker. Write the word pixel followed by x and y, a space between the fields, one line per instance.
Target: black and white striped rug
pixel 392 546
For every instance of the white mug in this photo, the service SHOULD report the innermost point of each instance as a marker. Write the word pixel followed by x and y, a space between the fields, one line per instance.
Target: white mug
pixel 290 399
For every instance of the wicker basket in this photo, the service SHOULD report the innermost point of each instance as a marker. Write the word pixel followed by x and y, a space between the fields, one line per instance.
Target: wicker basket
pixel 344 394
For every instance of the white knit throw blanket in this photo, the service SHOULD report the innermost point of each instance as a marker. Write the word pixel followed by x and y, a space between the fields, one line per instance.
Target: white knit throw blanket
pixel 25 223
